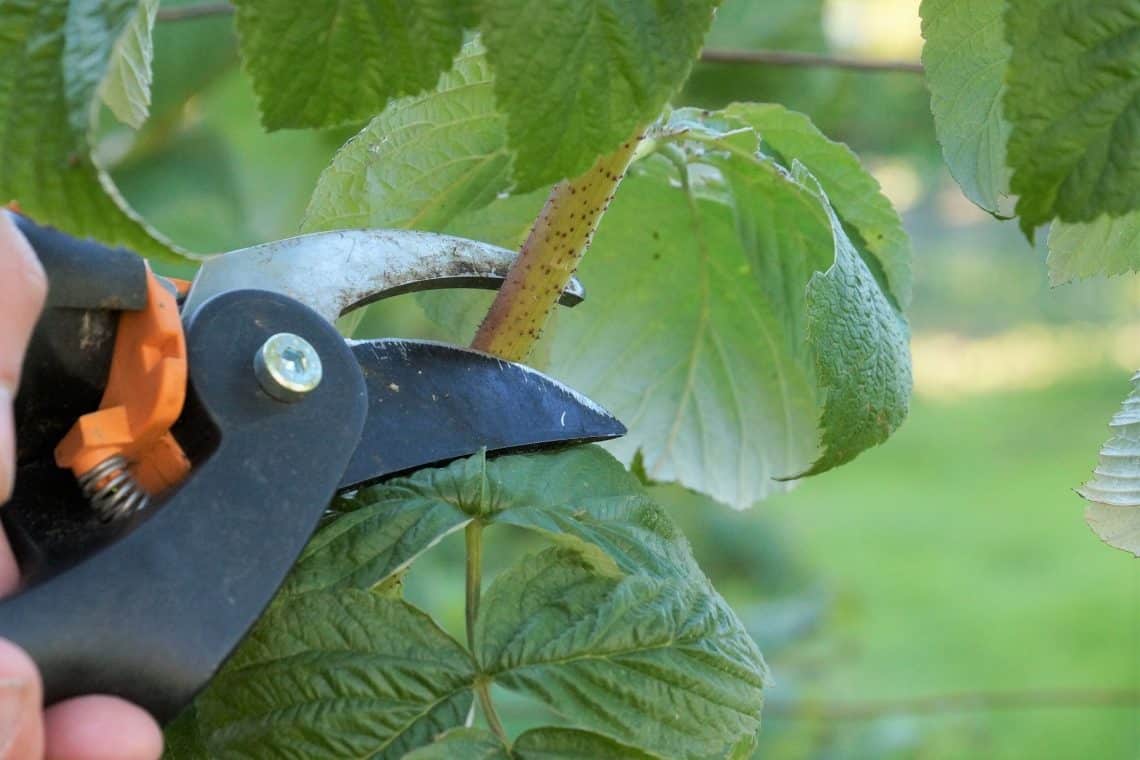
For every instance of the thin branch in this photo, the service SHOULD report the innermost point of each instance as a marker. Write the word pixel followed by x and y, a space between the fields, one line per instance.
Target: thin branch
pixel 551 253
pixel 748 57
pixel 189 12
pixel 976 701
pixel 809 60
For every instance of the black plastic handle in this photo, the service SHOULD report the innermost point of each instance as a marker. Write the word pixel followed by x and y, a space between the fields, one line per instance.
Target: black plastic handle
pixel 84 274
pixel 64 374
pixel 151 616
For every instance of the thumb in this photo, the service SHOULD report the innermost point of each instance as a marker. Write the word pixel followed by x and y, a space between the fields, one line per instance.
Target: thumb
pixel 21 709
pixel 23 288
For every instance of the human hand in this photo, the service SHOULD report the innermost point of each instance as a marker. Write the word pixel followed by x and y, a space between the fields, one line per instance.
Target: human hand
pixel 84 728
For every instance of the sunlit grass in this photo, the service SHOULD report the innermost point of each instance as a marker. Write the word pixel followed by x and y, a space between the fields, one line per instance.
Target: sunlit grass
pixel 875 28
pixel 1029 356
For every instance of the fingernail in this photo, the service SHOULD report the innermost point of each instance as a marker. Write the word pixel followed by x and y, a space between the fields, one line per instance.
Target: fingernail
pixel 13 707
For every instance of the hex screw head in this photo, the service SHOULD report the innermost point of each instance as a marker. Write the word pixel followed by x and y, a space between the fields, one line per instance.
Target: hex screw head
pixel 287 367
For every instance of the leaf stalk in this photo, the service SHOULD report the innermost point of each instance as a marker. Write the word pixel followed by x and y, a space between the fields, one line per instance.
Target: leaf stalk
pixel 473 537
pixel 483 689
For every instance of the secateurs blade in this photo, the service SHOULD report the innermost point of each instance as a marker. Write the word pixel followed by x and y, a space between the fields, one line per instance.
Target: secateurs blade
pixel 178 442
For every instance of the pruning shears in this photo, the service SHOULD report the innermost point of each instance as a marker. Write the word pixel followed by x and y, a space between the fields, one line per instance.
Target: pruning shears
pixel 178 442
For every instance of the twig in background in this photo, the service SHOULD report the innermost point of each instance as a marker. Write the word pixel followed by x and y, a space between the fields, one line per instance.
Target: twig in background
pixel 747 57
pixel 953 702
pixel 810 60
pixel 188 12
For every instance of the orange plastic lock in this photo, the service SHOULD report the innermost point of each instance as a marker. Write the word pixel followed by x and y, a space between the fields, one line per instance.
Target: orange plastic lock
pixel 144 396
pixel 182 286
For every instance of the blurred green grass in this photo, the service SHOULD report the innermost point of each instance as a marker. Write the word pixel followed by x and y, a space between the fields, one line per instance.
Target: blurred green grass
pixel 959 562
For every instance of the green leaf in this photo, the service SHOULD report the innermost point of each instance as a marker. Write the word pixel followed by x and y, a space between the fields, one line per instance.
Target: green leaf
pixel 585 499
pixel 745 749
pixel 1074 100
pixel 1108 246
pixel 1114 491
pixel 689 334
pixel 715 354
pixel 464 744
pixel 53 56
pixel 337 674
pixel 507 223
pixel 712 297
pixel 370 545
pixel 581 498
pixel 338 671
pixel 862 355
pixel 868 218
pixel 576 78
pixel 965 58
pixel 536 744
pixel 572 744
pixel 653 662
pixel 182 740
pixel 695 332
pixel 319 64
pixel 421 162
pixel 126 89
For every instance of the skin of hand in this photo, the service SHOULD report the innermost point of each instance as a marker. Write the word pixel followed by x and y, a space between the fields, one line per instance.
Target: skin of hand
pixel 84 728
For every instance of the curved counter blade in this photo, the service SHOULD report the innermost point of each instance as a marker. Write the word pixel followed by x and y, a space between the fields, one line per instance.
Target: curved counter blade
pixel 335 272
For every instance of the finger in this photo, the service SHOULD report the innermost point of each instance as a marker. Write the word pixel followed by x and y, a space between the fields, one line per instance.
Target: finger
pixel 7 439
pixel 100 728
pixel 21 730
pixel 23 288
pixel 9 570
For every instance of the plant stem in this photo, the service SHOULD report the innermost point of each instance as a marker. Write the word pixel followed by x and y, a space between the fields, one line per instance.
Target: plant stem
pixel 550 255
pixel 474 539
pixel 483 689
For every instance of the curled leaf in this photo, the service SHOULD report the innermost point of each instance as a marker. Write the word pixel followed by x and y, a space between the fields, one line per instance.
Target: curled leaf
pixel 1114 490
pixel 965 58
pixel 54 56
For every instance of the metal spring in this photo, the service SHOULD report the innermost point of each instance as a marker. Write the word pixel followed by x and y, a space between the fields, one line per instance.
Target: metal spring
pixel 112 491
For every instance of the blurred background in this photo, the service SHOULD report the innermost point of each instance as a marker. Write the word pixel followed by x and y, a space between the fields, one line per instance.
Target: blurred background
pixel 940 597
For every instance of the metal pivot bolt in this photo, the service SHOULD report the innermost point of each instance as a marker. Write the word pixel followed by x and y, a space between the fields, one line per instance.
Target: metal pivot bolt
pixel 287 367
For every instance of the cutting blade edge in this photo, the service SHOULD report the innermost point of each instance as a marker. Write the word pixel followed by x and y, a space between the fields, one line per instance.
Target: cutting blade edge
pixel 430 403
